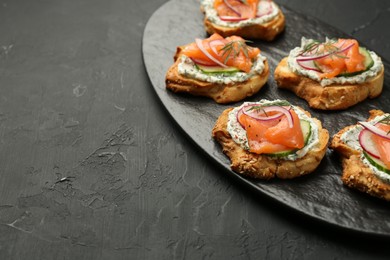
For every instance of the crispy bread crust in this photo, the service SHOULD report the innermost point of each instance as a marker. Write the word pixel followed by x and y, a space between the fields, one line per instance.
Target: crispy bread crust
pixel 356 174
pixel 266 31
pixel 332 97
pixel 221 93
pixel 262 166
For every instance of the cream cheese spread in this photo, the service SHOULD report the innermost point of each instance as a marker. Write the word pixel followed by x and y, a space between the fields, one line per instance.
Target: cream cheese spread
pixel 187 68
pixel 357 79
pixel 238 133
pixel 212 16
pixel 351 138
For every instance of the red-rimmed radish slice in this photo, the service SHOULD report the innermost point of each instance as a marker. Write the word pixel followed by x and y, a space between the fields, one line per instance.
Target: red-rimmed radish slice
pixel 310 58
pixel 375 130
pixel 199 43
pixel 366 142
pixel 262 116
pixel 227 18
pixel 232 7
pixel 308 65
pixel 264 8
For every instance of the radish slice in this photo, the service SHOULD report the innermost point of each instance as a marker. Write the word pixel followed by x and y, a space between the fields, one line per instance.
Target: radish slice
pixel 308 65
pixel 262 114
pixel 232 7
pixel 227 18
pixel 366 142
pixel 264 8
pixel 306 58
pixel 199 43
pixel 375 130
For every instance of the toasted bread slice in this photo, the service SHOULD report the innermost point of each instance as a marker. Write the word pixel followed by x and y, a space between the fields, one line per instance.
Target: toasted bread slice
pixel 356 174
pixel 265 31
pixel 263 166
pixel 221 93
pixel 331 97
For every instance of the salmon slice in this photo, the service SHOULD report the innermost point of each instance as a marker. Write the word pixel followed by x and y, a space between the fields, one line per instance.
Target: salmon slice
pixel 383 145
pixel 231 51
pixel 348 61
pixel 283 134
pixel 236 8
pixel 355 60
pixel 272 136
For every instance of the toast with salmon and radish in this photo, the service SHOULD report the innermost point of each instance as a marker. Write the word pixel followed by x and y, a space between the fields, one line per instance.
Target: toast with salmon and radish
pixel 224 69
pixel 271 139
pixel 250 19
pixel 365 153
pixel 331 75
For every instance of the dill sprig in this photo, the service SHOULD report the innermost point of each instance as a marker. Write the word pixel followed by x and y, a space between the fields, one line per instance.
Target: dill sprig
pixel 315 48
pixel 310 47
pixel 258 108
pixel 386 121
pixel 234 48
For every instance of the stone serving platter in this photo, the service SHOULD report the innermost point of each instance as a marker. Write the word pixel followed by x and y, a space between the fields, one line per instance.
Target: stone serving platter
pixel 320 195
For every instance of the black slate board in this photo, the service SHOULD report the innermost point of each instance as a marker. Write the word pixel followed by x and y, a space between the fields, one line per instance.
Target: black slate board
pixel 320 195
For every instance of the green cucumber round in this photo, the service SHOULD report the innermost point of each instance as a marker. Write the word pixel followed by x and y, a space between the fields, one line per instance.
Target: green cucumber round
pixel 217 69
pixel 376 162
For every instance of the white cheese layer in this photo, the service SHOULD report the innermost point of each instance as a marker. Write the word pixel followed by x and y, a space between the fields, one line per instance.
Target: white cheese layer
pixel 351 138
pixel 188 69
pixel 357 79
pixel 212 16
pixel 238 133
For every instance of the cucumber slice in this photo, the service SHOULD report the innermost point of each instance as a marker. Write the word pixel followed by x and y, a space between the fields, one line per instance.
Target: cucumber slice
pixel 217 69
pixel 282 153
pixel 368 63
pixel 377 163
pixel 306 131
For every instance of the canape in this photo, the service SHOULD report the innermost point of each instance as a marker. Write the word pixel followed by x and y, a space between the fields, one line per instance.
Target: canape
pixel 250 19
pixel 365 152
pixel 224 69
pixel 331 75
pixel 271 139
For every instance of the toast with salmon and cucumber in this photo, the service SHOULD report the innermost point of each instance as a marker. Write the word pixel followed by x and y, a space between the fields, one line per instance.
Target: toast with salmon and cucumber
pixel 331 75
pixel 271 139
pixel 250 19
pixel 224 69
pixel 365 153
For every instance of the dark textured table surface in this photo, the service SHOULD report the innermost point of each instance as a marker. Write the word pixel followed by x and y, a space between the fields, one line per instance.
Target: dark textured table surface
pixel 93 167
